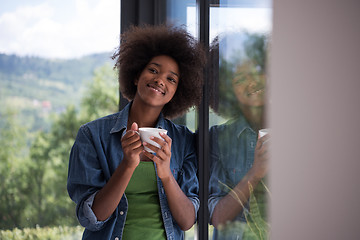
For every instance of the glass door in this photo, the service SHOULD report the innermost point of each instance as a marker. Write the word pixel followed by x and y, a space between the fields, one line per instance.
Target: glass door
pixel 239 38
pixel 238 33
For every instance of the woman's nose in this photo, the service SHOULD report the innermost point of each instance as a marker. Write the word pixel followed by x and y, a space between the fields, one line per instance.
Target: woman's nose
pixel 252 84
pixel 159 80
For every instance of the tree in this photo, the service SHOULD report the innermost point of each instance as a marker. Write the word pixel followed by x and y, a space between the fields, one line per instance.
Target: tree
pixel 13 187
pixel 101 96
pixel 49 153
pixel 39 155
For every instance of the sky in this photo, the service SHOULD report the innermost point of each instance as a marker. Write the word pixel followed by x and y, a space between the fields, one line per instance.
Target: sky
pixel 74 28
pixel 59 28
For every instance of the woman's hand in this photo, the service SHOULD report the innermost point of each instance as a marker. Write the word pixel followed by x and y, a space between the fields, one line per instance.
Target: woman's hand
pixel 180 205
pixel 108 198
pixel 260 165
pixel 161 156
pixel 132 146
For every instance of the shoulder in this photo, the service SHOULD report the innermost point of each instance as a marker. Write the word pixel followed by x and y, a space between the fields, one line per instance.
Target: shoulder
pixel 177 129
pixel 181 136
pixel 229 127
pixel 104 123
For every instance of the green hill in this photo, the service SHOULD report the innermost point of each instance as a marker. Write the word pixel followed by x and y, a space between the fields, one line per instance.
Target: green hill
pixel 36 87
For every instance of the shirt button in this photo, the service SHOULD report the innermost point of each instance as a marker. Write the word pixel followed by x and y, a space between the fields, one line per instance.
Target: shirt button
pixel 116 238
pixel 121 213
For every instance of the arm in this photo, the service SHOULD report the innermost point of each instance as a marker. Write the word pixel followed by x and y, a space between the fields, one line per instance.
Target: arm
pixel 180 205
pixel 229 207
pixel 108 198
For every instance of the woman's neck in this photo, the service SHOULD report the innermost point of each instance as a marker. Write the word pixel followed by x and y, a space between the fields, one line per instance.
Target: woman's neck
pixel 143 115
pixel 254 116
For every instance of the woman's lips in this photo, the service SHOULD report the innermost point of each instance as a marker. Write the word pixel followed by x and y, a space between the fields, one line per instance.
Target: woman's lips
pixel 255 91
pixel 156 88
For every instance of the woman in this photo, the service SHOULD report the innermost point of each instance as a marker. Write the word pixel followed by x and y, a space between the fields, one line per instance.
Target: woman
pixel 122 191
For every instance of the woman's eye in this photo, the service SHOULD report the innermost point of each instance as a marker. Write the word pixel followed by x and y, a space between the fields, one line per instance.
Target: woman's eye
pixel 152 70
pixel 172 80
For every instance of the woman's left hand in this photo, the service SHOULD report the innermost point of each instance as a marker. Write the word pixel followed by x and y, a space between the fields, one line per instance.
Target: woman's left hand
pixel 161 156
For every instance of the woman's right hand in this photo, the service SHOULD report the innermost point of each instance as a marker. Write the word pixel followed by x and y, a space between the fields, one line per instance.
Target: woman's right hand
pixel 132 146
pixel 261 158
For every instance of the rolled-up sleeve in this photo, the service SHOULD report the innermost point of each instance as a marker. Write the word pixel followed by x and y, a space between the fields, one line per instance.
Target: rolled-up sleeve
pixel 85 178
pixel 216 190
pixel 217 173
pixel 189 182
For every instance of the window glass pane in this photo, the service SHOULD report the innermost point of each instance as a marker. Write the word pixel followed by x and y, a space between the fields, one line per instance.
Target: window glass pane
pixel 239 38
pixel 55 74
pixel 183 13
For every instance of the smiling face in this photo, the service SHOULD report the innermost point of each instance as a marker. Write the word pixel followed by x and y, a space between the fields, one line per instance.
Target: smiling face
pixel 158 82
pixel 249 86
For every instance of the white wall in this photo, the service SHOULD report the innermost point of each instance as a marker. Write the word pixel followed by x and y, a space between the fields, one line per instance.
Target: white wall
pixel 315 117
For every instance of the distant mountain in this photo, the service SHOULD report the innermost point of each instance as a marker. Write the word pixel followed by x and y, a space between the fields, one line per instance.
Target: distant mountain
pixel 36 86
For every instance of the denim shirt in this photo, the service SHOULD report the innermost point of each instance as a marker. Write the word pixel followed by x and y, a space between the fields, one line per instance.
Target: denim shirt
pixel 231 157
pixel 95 155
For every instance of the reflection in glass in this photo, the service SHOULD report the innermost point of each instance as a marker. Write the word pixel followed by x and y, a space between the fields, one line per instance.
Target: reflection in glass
pixel 238 159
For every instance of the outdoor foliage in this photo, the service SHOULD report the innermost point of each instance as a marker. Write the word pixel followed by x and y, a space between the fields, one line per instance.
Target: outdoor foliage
pixel 256 227
pixel 53 233
pixel 37 87
pixel 13 187
pixel 33 164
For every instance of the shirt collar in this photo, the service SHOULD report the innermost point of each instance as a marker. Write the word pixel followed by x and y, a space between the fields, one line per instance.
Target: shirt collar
pixel 239 125
pixel 246 126
pixel 121 122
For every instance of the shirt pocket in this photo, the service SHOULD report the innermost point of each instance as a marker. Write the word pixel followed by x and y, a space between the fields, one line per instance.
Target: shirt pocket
pixel 235 167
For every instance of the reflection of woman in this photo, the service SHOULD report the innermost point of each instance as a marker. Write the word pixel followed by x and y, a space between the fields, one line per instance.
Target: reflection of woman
pixel 237 158
pixel 122 191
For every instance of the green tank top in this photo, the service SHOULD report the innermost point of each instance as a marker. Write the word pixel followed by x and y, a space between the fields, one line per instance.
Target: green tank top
pixel 143 219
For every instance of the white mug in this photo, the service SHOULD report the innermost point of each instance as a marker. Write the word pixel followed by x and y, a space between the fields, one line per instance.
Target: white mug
pixel 263 132
pixel 147 132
